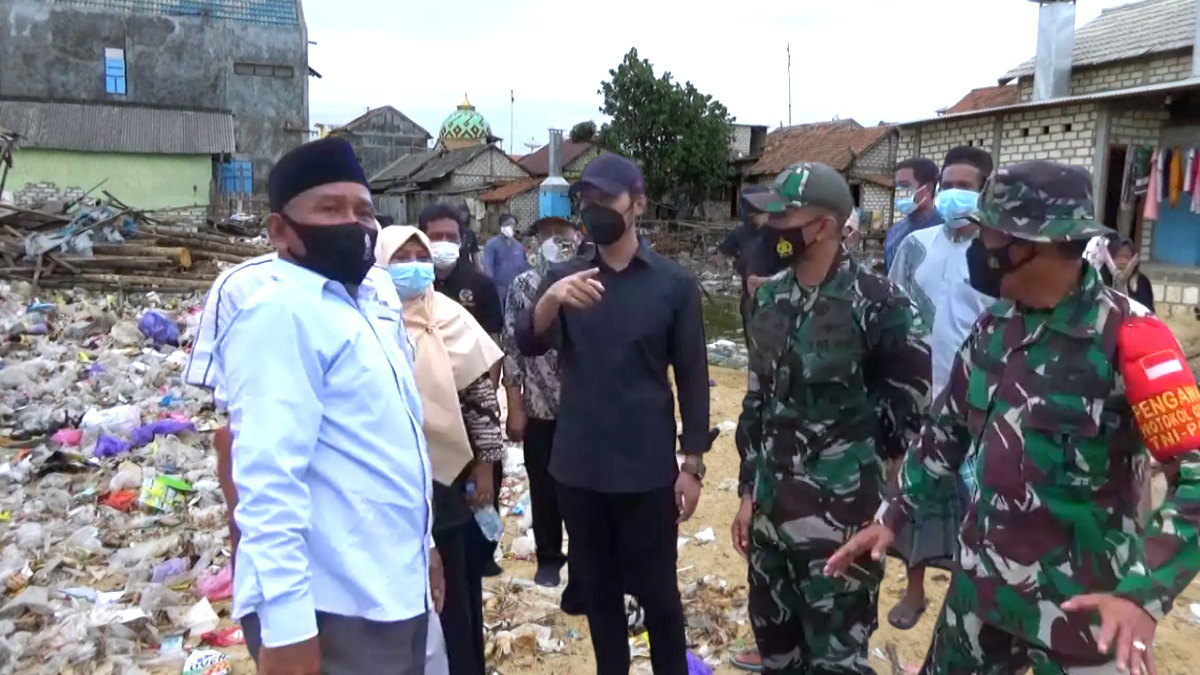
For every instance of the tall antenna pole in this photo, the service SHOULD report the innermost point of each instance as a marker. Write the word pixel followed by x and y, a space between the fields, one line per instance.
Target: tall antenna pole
pixel 512 101
pixel 789 55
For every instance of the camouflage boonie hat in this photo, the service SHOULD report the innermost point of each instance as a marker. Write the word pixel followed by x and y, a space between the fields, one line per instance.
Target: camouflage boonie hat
pixel 803 185
pixel 1040 201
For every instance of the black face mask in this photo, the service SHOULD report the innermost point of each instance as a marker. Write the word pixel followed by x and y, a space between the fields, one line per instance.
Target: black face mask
pixel 342 253
pixel 987 267
pixel 785 246
pixel 604 225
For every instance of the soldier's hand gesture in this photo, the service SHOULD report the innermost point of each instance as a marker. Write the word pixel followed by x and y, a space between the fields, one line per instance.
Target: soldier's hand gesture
pixel 578 290
pixel 1124 625
pixel 874 539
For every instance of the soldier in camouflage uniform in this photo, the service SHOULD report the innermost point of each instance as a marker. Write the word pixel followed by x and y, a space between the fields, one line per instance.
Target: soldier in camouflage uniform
pixel 1056 572
pixel 839 375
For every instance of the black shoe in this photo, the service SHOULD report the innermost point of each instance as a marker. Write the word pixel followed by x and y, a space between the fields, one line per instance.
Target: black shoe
pixel 572 604
pixel 548 576
pixel 491 569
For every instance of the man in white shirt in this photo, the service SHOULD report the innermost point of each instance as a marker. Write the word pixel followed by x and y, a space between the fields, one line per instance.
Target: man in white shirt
pixel 331 472
pixel 931 265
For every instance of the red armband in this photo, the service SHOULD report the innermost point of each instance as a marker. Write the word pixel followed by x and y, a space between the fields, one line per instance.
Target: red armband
pixel 1160 387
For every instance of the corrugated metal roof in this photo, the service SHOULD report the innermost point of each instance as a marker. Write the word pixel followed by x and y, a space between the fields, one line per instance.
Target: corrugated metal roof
pixel 89 127
pixel 404 167
pixel 270 12
pixel 1192 83
pixel 1127 32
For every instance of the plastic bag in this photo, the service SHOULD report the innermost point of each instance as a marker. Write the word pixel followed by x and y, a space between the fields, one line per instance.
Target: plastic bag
pixel 159 328
pixel 118 422
pixel 217 586
pixel 107 446
pixel 71 437
pixel 168 427
pixel 128 477
pixel 169 569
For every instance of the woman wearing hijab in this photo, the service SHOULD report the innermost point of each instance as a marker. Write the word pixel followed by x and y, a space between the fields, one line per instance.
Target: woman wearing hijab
pixel 1119 269
pixel 452 356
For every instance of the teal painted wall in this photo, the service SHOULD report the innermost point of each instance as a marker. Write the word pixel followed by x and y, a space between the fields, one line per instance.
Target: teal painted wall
pixel 141 181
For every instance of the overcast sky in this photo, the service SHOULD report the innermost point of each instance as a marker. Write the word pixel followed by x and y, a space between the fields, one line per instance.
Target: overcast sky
pixel 870 60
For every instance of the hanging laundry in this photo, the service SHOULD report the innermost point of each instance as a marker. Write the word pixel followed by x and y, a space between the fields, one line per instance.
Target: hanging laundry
pixel 1150 212
pixel 1127 177
pixel 1194 188
pixel 1176 178
pixel 1142 157
pixel 1164 175
pixel 1188 156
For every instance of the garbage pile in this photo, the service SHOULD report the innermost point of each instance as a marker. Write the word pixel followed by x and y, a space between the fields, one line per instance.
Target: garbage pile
pixel 113 542
pixel 108 245
pixel 728 354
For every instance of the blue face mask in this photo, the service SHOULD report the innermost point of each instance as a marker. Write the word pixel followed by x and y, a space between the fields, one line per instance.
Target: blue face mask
pixel 954 205
pixel 411 278
pixel 906 205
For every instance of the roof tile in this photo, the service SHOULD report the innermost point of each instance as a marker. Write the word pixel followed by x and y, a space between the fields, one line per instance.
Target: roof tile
pixel 834 143
pixel 984 98
pixel 537 163
pixel 1127 32
pixel 506 191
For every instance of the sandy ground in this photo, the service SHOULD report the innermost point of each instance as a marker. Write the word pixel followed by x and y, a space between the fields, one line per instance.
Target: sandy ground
pixel 1177 644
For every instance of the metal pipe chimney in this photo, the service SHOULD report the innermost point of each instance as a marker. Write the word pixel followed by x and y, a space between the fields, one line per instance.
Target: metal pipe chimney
pixel 1055 49
pixel 555 168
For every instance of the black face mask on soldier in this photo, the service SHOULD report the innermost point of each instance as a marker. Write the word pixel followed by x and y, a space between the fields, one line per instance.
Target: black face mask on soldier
pixel 786 245
pixel 987 267
pixel 604 225
pixel 343 253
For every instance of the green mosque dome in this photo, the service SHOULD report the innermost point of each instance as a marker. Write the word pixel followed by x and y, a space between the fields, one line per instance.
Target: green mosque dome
pixel 465 126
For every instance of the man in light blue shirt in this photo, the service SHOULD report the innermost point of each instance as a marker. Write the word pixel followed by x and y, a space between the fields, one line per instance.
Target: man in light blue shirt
pixel 504 257
pixel 329 462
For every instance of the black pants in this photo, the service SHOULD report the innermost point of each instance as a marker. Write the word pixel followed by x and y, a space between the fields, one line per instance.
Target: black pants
pixel 543 499
pixel 626 542
pixel 462 610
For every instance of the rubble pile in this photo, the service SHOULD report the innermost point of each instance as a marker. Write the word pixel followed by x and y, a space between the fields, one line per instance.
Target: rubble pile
pixel 108 245
pixel 113 542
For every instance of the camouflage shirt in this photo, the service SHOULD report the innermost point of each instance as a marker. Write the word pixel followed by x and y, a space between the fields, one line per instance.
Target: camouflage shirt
pixel 839 376
pixel 1036 401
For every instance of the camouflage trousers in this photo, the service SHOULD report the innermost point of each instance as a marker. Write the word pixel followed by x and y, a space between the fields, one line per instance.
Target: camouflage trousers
pixel 964 645
pixel 804 622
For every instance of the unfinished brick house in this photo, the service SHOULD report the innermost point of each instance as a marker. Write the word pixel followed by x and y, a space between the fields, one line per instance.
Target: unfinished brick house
pixel 1123 86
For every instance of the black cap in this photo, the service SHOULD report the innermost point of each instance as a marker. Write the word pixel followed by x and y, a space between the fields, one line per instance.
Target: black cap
pixel 329 160
pixel 612 175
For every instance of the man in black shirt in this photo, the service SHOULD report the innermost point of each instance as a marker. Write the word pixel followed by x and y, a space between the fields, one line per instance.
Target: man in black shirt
pixel 467 236
pixel 456 276
pixel 620 318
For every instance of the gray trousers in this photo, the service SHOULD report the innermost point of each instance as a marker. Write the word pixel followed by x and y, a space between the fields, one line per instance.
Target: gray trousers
pixel 355 646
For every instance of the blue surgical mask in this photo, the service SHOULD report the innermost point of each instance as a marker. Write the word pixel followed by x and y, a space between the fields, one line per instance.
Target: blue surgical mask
pixel 954 205
pixel 411 278
pixel 906 205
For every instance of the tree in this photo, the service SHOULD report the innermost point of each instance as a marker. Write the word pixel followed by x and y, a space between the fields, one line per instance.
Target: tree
pixel 678 135
pixel 584 132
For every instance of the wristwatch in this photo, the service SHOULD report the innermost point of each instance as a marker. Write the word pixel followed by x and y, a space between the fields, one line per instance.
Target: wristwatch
pixel 694 467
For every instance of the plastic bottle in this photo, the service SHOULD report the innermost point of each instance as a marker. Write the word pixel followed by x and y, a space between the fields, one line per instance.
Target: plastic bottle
pixel 487 518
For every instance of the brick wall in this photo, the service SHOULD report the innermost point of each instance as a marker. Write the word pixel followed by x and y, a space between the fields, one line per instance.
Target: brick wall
pixel 1065 135
pixel 488 167
pixel 876 200
pixel 1163 68
pixel 1137 127
pixel 39 193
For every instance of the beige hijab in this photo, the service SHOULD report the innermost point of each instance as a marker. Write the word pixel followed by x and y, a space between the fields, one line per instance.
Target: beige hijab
pixel 451 351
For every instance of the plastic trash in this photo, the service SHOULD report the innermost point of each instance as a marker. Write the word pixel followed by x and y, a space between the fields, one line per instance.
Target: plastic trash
pixel 128 477
pixel 217 586
pixel 107 446
pixel 225 637
pixel 169 569
pixel 206 662
pixel 163 493
pixel 200 618
pixel 118 422
pixel 70 437
pixel 121 500
pixel 160 329
pixel 696 665
pixel 168 427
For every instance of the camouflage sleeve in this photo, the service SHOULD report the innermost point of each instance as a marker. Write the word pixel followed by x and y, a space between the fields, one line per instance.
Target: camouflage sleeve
pixel 515 305
pixel 898 371
pixel 940 448
pixel 748 437
pixel 1172 540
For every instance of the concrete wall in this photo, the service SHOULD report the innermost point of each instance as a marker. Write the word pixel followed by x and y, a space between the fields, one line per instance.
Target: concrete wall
pixel 878 204
pixel 148 181
pixel 1160 68
pixel 56 52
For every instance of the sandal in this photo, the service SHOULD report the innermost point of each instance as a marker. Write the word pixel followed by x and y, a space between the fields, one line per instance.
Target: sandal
pixel 749 660
pixel 903 619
